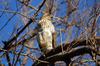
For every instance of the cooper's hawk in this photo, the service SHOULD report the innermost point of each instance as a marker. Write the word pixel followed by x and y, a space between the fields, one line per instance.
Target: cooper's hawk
pixel 46 33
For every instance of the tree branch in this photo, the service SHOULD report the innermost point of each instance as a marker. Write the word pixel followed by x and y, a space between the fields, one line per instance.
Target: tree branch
pixel 56 54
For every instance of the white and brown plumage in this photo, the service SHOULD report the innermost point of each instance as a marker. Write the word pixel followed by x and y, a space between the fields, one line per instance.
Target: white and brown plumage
pixel 46 35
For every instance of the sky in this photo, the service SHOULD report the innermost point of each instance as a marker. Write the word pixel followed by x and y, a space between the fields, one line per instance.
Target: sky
pixel 5 33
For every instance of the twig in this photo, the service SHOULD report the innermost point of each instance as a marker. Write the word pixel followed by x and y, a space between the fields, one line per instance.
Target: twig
pixel 8 43
pixel 61 41
pixel 8 11
pixel 18 55
pixel 8 58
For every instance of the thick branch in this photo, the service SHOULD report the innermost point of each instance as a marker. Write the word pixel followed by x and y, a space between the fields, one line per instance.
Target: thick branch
pixel 73 44
pixel 53 55
pixel 66 56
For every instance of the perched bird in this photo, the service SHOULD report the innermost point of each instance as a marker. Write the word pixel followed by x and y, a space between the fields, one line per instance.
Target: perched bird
pixel 45 36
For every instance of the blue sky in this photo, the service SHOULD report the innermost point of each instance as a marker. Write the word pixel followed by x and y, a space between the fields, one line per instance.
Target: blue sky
pixel 5 33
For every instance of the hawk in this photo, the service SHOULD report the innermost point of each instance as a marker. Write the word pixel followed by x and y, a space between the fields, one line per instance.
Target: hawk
pixel 45 36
